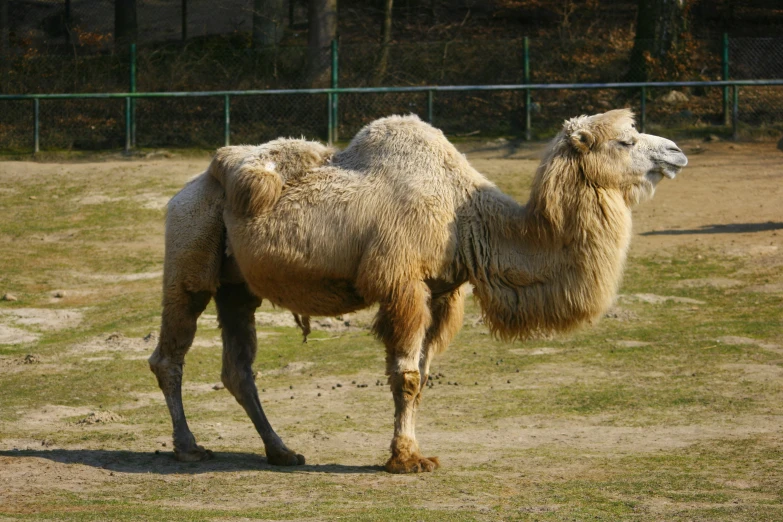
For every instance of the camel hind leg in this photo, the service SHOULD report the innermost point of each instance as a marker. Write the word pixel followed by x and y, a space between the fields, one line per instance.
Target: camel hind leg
pixel 178 327
pixel 236 307
pixel 194 250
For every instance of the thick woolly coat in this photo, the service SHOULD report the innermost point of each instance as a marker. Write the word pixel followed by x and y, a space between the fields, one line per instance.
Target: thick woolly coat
pixel 400 204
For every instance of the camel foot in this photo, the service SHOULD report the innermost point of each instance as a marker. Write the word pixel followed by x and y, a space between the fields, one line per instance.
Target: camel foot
pixel 412 464
pixel 195 455
pixel 284 457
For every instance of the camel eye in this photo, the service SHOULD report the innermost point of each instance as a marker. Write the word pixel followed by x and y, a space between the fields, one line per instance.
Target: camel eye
pixel 628 143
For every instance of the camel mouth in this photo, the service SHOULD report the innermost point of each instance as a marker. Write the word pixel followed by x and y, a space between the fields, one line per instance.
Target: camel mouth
pixel 670 173
pixel 670 170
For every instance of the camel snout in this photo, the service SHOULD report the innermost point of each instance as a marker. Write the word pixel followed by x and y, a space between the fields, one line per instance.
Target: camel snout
pixel 678 159
pixel 673 155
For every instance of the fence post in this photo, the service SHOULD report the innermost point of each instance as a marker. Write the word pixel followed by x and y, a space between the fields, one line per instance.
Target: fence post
pixel 36 127
pixel 643 115
pixel 335 121
pixel 132 113
pixel 330 116
pixel 127 124
pixel 726 116
pixel 431 107
pixel 226 121
pixel 735 113
pixel 528 126
pixel 335 76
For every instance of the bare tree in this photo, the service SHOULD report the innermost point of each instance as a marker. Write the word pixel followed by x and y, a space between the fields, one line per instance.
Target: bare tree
pixel 268 22
pixel 659 27
pixel 5 45
pixel 4 29
pixel 125 25
pixel 383 60
pixel 322 21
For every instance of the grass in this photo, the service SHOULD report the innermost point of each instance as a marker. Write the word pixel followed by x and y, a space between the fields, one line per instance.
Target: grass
pixel 683 423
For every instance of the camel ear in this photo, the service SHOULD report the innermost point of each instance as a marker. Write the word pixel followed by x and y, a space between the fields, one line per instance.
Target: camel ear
pixel 582 140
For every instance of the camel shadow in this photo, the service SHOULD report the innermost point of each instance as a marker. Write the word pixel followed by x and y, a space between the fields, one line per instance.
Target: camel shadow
pixel 163 463
pixel 734 228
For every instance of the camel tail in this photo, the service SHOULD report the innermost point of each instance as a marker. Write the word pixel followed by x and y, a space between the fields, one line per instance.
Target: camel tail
pixel 252 184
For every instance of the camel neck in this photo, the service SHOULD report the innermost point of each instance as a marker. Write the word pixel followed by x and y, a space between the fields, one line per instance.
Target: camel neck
pixel 536 271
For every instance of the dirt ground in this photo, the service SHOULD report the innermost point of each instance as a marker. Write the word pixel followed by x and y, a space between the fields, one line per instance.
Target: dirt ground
pixel 69 450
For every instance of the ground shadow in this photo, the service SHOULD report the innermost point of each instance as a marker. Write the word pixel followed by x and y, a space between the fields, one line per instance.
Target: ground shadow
pixel 164 463
pixel 734 228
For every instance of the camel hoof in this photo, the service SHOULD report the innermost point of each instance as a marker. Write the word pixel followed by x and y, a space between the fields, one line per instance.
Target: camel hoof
pixel 413 464
pixel 196 455
pixel 285 458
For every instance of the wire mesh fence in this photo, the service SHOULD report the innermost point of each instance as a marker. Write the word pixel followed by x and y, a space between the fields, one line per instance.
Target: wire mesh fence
pixel 255 119
pixel 756 58
pixel 228 63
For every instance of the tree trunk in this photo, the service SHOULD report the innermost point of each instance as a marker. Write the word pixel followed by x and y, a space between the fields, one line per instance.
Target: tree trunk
pixel 125 26
pixel 184 13
pixel 268 17
pixel 383 60
pixel 659 25
pixel 322 21
pixel 5 46
pixel 4 29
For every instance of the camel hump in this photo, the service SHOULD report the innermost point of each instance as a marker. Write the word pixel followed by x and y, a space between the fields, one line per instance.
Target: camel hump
pixel 253 176
pixel 404 145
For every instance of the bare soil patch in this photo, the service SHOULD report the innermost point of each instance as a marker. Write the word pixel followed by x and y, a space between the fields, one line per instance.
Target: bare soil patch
pixel 43 318
pixel 11 335
pixel 117 342
pixel 698 458
pixel 100 417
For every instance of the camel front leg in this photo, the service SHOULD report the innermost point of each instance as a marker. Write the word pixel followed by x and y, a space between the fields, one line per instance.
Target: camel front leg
pixel 402 324
pixel 448 311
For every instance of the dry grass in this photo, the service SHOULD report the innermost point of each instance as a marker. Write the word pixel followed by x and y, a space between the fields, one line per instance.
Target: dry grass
pixel 667 409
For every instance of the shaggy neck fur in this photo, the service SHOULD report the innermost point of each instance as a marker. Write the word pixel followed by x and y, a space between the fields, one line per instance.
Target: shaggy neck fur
pixel 552 264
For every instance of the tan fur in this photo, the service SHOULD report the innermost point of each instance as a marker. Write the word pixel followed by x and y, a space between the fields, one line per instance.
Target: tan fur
pixel 401 219
pixel 253 176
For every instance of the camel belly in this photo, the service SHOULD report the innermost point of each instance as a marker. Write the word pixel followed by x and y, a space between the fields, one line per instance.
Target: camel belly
pixel 317 297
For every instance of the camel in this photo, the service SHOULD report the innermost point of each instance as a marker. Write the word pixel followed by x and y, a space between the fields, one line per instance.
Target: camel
pixel 400 219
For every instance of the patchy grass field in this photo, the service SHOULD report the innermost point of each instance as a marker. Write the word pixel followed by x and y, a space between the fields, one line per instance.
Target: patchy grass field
pixel 671 408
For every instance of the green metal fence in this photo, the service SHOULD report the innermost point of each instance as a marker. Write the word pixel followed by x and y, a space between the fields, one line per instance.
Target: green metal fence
pixel 467 88
pixel 332 94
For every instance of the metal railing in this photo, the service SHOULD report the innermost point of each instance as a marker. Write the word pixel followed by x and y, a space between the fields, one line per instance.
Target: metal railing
pixel 333 93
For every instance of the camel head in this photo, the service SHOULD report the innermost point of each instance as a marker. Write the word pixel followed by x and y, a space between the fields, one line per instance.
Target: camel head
pixel 612 154
pixel 605 151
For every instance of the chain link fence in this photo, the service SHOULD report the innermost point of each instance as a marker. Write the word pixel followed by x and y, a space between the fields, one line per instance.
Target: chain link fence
pixel 758 58
pixel 229 63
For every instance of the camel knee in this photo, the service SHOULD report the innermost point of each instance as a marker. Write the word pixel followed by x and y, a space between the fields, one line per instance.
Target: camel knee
pixel 238 381
pixel 165 368
pixel 406 385
pixel 232 381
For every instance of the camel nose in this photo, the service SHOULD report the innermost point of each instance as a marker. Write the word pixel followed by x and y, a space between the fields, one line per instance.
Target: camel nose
pixel 673 154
